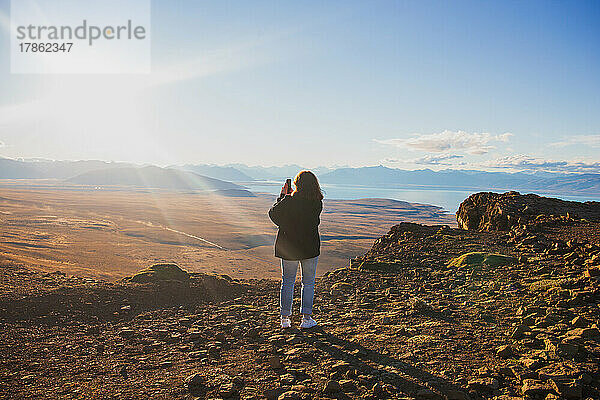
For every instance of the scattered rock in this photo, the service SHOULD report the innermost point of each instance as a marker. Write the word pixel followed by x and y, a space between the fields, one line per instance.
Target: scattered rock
pixel 534 387
pixel 340 366
pixel 505 351
pixel 428 394
pixel 195 384
pixel 483 384
pixel 341 289
pixel 570 390
pixel 580 322
pixel 585 333
pixel 347 385
pixel 275 362
pixel 227 390
pixel 332 387
pixel 558 372
pixel 519 331
pixel 592 272
pixel 289 395
pixel 273 393
pixel 454 394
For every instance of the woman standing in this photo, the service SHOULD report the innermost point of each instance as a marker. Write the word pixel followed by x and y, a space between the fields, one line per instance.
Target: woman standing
pixel 297 216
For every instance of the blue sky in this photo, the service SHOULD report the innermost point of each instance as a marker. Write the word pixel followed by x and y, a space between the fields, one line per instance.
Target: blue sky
pixel 423 84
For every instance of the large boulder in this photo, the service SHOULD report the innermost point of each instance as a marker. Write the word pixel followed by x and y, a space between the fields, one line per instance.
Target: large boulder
pixel 161 272
pixel 487 211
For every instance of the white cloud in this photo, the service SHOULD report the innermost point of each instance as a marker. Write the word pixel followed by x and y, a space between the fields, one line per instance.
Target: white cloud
pixel 441 159
pixel 2 144
pixel 471 143
pixel 586 140
pixel 527 163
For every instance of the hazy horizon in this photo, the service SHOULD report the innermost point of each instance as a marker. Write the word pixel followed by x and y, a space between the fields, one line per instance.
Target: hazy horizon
pixel 332 167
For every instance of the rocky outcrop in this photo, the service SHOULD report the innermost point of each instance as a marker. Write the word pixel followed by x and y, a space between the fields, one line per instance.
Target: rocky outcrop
pixel 55 298
pixel 487 211
pixel 409 245
pixel 161 272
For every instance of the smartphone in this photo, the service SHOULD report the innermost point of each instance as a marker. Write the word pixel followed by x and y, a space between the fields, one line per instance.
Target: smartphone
pixel 288 183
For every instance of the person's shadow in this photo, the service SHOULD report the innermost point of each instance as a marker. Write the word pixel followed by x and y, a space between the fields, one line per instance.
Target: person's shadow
pixel 373 363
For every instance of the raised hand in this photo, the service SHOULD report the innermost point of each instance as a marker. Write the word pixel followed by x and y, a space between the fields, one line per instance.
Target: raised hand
pixel 286 189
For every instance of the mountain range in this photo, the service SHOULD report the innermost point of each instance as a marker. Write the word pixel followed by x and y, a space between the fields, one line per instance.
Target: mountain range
pixel 375 176
pixel 381 176
pixel 276 173
pixel 50 169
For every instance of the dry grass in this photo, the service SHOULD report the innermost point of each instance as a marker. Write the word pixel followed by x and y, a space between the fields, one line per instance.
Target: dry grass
pixel 113 233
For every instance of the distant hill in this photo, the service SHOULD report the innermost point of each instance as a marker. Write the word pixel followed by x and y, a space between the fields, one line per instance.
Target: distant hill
pixel 44 169
pixel 226 173
pixel 268 173
pixel 381 176
pixel 68 169
pixel 41 168
pixel 575 182
pixel 153 177
pixel 13 169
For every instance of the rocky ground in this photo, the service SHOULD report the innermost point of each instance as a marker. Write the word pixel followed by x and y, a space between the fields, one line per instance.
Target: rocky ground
pixel 430 312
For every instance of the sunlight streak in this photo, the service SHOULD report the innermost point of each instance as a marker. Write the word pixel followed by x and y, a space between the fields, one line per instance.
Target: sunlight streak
pixel 4 22
pixel 152 225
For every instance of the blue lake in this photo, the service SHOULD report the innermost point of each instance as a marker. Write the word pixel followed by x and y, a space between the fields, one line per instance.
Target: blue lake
pixel 447 198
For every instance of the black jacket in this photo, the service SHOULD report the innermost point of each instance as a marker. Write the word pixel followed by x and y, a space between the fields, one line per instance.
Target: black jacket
pixel 298 220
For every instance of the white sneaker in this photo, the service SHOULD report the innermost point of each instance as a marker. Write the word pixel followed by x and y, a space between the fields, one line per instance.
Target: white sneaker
pixel 307 323
pixel 285 322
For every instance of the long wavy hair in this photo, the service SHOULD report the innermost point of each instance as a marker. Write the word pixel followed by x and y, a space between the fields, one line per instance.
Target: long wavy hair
pixel 307 185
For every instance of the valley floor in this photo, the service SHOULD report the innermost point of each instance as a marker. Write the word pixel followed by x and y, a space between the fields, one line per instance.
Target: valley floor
pixel 111 233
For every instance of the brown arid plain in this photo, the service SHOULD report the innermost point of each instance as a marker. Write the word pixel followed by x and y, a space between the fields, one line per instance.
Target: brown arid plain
pixel 111 233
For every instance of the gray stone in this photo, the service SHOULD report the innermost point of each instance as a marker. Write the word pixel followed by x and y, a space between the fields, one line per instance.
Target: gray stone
pixel 505 351
pixel 227 390
pixel 274 393
pixel 483 384
pixel 428 394
pixel 571 390
pixel 347 385
pixel 275 362
pixel 195 384
pixel 454 394
pixel 289 395
pixel 332 387
pixel 341 289
pixel 534 387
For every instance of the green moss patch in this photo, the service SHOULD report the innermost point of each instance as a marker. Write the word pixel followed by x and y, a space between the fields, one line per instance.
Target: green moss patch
pixel 546 284
pixel 475 259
